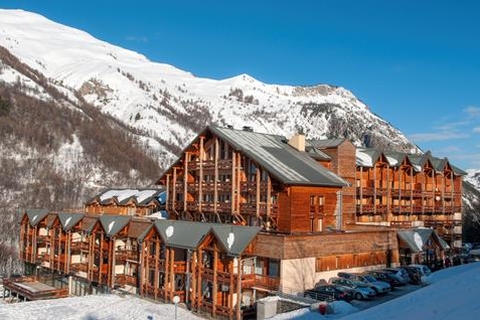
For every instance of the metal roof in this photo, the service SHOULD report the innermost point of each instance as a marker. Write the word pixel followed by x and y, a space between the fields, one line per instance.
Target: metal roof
pixel 189 234
pixel 181 234
pixel 112 224
pixel 327 143
pixel 123 196
pixel 366 157
pixel 415 239
pixel 69 219
pixel 36 215
pixel 278 158
pixel 235 238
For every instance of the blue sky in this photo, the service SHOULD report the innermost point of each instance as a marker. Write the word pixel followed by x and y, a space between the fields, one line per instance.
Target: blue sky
pixel 415 63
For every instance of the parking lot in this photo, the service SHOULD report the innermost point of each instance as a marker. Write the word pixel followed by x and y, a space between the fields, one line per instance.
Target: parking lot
pixel 395 293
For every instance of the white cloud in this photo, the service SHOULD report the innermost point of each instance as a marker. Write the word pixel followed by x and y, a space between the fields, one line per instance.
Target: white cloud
pixel 437 136
pixel 472 111
pixel 476 129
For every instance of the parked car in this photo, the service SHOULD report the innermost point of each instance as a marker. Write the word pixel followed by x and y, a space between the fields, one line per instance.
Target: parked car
pixel 385 276
pixel 329 292
pixel 422 271
pixel 378 286
pixel 360 290
pixel 401 273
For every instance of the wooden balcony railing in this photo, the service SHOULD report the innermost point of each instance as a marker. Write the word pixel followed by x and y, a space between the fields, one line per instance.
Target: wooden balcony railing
pixel 401 224
pixel 124 255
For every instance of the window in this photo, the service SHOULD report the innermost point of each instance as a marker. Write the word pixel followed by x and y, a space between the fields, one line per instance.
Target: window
pixel 273 268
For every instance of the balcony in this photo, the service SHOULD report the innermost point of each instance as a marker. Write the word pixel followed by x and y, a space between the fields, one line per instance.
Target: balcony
pixel 124 255
pixel 260 281
pixel 401 209
pixel 77 245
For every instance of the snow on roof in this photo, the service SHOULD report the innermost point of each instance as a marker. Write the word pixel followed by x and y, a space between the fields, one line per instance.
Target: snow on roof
pixel 364 159
pixel 123 194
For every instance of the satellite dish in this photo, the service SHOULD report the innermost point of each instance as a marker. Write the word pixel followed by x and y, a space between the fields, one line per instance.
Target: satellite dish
pixel 169 231
pixel 418 240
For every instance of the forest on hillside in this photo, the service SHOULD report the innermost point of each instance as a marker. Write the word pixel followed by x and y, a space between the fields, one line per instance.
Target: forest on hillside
pixel 56 153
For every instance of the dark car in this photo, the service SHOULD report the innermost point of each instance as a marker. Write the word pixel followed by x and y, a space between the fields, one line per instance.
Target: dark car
pixel 386 277
pixel 329 292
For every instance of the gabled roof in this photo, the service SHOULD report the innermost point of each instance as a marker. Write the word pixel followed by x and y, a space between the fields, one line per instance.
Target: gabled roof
pixel 140 197
pixel 50 220
pixel 112 224
pixel 89 223
pixel 275 155
pixel 394 158
pixel 415 239
pixel 327 143
pixel 137 228
pixel 181 234
pixel 367 157
pixel 235 238
pixel 36 215
pixel 69 219
pixel 189 234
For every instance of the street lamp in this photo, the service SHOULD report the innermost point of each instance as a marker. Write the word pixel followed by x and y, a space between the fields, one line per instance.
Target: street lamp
pixel 176 300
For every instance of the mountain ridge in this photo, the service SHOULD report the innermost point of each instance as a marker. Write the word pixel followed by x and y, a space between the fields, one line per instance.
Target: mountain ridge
pixel 170 106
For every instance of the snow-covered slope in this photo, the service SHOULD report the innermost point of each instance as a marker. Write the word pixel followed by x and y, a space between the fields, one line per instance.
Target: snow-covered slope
pixel 473 176
pixel 169 105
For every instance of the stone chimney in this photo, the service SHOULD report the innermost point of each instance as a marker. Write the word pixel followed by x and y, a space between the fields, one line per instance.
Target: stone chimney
pixel 298 142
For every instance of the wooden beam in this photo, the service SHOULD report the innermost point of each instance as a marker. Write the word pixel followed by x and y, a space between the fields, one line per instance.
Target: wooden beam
pixel 215 280
pixel 167 193
pixel 257 192
pixel 185 180
pixel 193 296
pixel 174 189
pixel 239 290
pixel 200 173
pixel 215 185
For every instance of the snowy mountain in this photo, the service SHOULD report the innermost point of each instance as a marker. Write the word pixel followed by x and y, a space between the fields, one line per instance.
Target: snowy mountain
pixel 473 176
pixel 168 106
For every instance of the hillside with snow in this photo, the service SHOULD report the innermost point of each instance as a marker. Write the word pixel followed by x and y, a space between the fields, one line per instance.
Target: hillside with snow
pixel 169 106
pixel 78 114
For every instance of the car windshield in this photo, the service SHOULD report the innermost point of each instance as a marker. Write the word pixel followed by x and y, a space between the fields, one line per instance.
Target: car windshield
pixel 370 278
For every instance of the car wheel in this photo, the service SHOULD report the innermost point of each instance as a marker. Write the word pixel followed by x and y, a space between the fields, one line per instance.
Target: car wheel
pixel 358 296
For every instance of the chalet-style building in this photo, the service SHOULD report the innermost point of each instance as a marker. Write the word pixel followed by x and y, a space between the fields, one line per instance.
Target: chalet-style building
pixel 133 202
pixel 248 214
pixel 405 191
pixel 302 193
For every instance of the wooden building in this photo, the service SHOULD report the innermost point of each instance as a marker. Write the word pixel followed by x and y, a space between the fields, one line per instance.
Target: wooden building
pixel 133 202
pixel 409 190
pixel 250 214
pixel 207 265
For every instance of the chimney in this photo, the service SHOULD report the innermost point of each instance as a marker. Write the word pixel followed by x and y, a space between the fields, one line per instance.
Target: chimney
pixel 298 142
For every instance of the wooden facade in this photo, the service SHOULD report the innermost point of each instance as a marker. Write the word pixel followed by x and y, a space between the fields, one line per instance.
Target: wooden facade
pixel 250 214
pixel 406 191
pixel 216 181
pixel 203 264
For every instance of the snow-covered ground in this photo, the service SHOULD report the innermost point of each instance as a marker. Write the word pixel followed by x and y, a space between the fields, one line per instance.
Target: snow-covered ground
pixel 92 308
pixel 454 294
